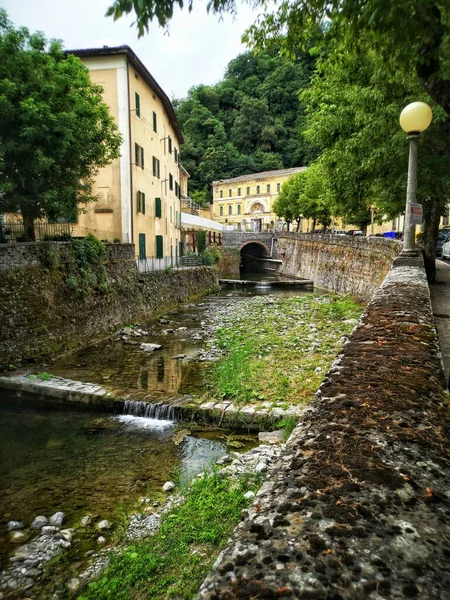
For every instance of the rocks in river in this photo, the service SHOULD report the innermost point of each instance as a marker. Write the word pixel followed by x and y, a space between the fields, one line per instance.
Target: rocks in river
pixel 39 522
pixel 101 540
pixel 24 551
pixel 225 459
pixel 104 524
pixel 64 544
pixel 197 337
pixel 179 357
pixel 86 520
pixel 167 331
pixel 271 437
pixel 14 525
pixel 164 321
pixel 169 486
pixel 131 331
pixel 16 537
pixel 249 495
pixel 57 519
pixel 49 529
pixel 150 347
pixel 73 584
pixel 65 534
pixel 261 467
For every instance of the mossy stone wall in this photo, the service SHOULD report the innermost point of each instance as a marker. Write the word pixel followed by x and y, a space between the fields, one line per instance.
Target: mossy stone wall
pixel 41 317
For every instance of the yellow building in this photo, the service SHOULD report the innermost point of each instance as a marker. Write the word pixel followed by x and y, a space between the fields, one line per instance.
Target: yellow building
pixel 139 193
pixel 245 203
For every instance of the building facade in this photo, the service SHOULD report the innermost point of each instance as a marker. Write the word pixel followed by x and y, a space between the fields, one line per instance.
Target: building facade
pixel 245 203
pixel 140 192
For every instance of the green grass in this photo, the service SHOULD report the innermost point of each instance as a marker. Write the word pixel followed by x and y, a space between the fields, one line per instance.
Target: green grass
pixel 271 352
pixel 173 562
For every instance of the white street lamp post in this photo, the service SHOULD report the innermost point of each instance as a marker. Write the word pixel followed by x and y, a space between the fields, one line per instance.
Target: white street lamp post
pixel 414 119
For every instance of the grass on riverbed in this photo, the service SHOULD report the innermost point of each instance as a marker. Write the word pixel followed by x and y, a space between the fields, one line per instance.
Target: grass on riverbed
pixel 279 349
pixel 173 562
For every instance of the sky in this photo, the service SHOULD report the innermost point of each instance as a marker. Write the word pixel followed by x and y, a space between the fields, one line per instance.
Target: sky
pixel 196 49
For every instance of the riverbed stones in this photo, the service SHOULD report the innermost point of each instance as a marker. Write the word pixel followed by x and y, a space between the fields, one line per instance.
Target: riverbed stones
pixel 49 529
pixel 101 541
pixel 14 525
pixel 73 584
pixel 271 437
pixel 65 534
pixel 16 537
pixel 179 357
pixel 104 524
pixel 39 522
pixel 86 520
pixel 57 519
pixel 169 486
pixel 150 347
pixel 224 459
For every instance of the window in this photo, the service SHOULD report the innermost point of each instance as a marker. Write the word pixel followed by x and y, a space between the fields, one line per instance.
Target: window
pixel 221 211
pixel 230 209
pixel 239 191
pixel 176 189
pixel 268 188
pixel 139 156
pixel 170 144
pixel 159 246
pixel 221 194
pixel 170 181
pixel 156 166
pixel 229 193
pixel 258 189
pixel 175 154
pixel 137 104
pixel 239 209
pixel 278 187
pixel 171 214
pixel 155 128
pixel 142 253
pixel 140 202
pixel 158 208
pixel 248 191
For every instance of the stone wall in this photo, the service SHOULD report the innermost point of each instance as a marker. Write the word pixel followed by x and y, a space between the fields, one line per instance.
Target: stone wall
pixel 40 317
pixel 342 264
pixel 358 506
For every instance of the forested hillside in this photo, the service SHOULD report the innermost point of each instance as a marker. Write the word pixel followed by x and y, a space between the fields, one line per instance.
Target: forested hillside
pixel 251 121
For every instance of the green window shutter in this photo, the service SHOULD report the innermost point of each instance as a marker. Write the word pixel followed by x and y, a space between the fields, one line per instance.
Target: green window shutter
pixel 158 208
pixel 170 181
pixel 170 144
pixel 137 101
pixel 136 154
pixel 142 254
pixel 138 201
pixel 155 129
pixel 142 158
pixel 154 165
pixel 159 165
pixel 159 246
pixel 143 203
pixel 180 249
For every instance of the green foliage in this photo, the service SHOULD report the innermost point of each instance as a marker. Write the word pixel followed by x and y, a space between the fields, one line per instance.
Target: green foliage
pixel 175 560
pixel 55 130
pixel 86 270
pixel 250 122
pixel 44 376
pixel 201 241
pixel 288 425
pixel 211 256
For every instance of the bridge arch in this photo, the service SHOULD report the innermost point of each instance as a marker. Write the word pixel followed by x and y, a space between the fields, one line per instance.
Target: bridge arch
pixel 252 251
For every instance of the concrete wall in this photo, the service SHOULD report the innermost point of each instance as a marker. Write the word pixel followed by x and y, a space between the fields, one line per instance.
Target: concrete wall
pixel 358 506
pixel 40 317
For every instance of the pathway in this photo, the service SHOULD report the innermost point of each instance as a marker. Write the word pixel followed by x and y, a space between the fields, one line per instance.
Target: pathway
pixel 440 300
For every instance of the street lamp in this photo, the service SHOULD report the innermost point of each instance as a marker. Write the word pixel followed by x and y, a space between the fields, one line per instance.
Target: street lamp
pixel 414 119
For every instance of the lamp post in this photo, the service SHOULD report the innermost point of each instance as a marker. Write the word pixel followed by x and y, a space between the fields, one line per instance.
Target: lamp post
pixel 414 119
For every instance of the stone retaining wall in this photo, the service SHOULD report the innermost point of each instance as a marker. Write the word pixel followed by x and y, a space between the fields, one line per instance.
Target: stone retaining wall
pixel 41 318
pixel 358 506
pixel 342 264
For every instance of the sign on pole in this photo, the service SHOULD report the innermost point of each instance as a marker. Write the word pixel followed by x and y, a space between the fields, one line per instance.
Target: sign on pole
pixel 415 214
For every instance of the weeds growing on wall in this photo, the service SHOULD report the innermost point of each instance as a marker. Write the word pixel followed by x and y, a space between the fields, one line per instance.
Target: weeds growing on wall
pixel 86 270
pixel 174 561
pixel 278 350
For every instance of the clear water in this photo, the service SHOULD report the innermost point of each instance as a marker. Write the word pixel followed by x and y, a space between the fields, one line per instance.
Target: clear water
pixel 87 463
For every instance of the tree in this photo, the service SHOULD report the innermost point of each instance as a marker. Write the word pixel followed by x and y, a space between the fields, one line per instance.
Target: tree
pixel 55 131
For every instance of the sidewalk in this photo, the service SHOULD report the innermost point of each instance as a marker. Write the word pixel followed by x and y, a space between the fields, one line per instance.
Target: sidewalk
pixel 440 300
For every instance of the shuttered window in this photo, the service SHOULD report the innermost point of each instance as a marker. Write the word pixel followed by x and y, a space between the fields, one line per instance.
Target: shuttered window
pixel 170 144
pixel 139 155
pixel 257 189
pixel 137 103
pixel 158 208
pixel 159 246
pixel 142 254
pixel 140 202
pixel 170 181
pixel 248 191
pixel 268 188
pixel 239 191
pixel 155 127
pixel 239 209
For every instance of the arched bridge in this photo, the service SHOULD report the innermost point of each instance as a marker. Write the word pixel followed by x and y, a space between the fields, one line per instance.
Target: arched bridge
pixel 254 247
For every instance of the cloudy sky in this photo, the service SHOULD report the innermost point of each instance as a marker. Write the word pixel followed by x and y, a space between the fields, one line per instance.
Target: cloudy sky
pixel 196 49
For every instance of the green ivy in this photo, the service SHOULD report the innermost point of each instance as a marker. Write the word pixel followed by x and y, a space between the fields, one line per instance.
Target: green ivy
pixel 86 270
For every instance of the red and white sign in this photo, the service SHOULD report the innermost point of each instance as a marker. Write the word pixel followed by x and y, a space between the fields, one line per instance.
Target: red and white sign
pixel 415 214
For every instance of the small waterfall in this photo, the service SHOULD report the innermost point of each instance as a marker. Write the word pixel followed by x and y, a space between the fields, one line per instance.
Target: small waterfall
pixel 262 284
pixel 149 410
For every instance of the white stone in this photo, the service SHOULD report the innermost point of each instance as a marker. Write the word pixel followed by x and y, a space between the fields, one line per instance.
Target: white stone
pixel 101 540
pixel 179 357
pixel 249 495
pixel 14 525
pixel 17 536
pixel 57 519
pixel 169 486
pixel 103 525
pixel 85 520
pixel 73 584
pixel 150 347
pixel 66 535
pixel 64 544
pixel 39 522
pixel 49 529
pixel 261 467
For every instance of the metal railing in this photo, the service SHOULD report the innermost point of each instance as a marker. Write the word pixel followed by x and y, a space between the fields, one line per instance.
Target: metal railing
pixel 13 231
pixel 151 263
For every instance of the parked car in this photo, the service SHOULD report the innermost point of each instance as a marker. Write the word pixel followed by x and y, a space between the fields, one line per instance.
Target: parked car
pixel 443 236
pixel 445 248
pixel 354 232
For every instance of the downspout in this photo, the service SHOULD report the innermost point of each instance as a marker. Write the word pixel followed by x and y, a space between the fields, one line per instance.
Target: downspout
pixel 131 154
